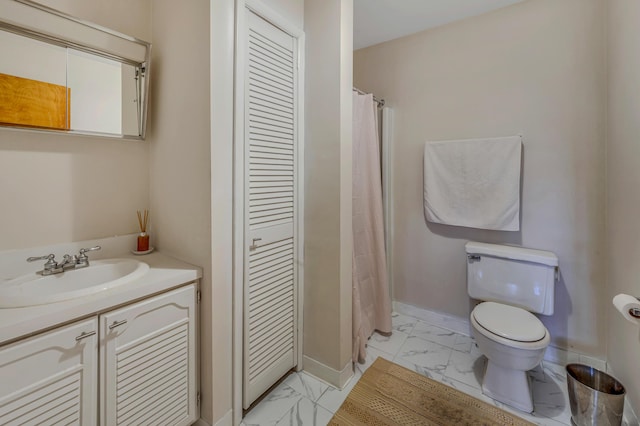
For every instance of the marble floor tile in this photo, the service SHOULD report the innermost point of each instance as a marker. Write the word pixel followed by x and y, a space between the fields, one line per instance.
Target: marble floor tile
pixel 463 343
pixel 306 385
pixel 428 355
pixel 473 391
pixel 550 395
pixel 388 344
pixel 271 409
pixel 332 398
pixel 434 334
pixel 306 413
pixel 402 323
pixel 432 374
pixel 466 368
pixel 372 354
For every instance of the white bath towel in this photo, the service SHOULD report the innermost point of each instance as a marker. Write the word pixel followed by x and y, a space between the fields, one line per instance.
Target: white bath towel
pixel 473 183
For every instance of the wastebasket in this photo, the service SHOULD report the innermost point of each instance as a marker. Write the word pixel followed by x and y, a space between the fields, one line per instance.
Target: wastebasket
pixel 595 397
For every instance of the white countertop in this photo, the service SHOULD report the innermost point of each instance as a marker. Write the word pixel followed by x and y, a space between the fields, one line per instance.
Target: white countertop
pixel 164 273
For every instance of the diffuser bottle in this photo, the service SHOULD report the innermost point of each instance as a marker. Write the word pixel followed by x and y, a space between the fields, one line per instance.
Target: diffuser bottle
pixel 143 237
pixel 143 241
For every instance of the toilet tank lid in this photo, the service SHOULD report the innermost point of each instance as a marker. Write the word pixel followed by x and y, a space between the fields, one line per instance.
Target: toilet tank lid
pixel 511 252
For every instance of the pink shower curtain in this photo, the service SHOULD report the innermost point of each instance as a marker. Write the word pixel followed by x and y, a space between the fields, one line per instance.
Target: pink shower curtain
pixel 371 301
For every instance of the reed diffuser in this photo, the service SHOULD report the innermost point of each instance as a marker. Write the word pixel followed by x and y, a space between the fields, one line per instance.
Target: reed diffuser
pixel 143 238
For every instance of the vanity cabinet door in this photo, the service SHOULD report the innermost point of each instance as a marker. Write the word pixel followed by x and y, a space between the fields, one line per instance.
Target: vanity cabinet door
pixel 148 361
pixel 50 378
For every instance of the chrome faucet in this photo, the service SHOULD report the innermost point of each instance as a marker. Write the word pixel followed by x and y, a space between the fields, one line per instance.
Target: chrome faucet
pixel 68 261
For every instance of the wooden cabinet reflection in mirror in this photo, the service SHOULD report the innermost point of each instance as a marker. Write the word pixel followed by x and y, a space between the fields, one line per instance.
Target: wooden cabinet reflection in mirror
pixel 32 103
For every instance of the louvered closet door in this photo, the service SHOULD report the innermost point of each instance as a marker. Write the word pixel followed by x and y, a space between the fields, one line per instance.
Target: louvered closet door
pixel 270 315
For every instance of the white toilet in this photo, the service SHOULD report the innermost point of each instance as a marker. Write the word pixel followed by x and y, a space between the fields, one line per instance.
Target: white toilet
pixel 512 282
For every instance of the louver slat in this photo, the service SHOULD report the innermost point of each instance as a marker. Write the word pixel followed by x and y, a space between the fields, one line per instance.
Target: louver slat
pixel 151 383
pixel 265 301
pixel 271 162
pixel 55 402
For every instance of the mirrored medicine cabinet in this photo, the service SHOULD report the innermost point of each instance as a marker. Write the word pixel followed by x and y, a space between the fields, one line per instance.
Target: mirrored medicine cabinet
pixel 61 74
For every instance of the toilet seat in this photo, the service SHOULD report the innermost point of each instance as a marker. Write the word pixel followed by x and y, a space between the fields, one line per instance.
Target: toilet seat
pixel 509 325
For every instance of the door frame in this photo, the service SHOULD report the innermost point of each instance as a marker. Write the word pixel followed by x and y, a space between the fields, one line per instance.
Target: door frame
pixel 267 13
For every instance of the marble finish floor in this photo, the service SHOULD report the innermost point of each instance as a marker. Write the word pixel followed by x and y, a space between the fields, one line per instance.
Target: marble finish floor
pixel 440 354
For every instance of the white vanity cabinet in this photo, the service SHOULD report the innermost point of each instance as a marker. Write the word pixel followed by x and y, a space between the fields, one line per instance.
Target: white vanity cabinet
pixel 51 378
pixel 148 368
pixel 146 373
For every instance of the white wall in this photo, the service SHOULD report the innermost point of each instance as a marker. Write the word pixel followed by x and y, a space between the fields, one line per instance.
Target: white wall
pixel 535 68
pixel 623 196
pixel 59 188
pixel 222 78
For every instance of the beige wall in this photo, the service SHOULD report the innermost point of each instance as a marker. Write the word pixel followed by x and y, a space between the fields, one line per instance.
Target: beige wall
pixel 291 10
pixel 58 188
pixel 180 166
pixel 623 195
pixel 535 68
pixel 327 278
pixel 131 17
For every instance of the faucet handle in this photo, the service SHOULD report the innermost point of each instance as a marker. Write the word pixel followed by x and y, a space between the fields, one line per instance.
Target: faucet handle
pixel 48 258
pixel 34 258
pixel 83 251
pixel 83 259
pixel 50 265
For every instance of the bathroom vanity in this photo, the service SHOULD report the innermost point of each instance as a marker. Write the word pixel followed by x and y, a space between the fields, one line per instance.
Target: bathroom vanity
pixel 126 355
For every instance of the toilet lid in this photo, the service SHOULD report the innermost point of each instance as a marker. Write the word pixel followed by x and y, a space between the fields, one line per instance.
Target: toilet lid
pixel 509 322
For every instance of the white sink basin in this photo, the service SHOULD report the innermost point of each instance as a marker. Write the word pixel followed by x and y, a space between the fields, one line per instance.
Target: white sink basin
pixel 34 289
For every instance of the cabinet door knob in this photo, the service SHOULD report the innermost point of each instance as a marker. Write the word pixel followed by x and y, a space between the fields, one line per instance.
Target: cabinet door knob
pixel 85 334
pixel 117 324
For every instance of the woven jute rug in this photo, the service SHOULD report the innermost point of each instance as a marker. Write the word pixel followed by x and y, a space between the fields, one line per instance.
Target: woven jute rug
pixel 388 394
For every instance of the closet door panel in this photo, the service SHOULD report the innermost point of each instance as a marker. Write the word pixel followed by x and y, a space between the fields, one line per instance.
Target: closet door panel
pixel 270 297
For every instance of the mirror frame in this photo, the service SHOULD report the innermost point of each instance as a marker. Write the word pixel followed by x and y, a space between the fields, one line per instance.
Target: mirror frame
pixel 24 16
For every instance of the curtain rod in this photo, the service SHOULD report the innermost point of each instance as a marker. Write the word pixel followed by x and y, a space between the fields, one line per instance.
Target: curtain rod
pixel 380 102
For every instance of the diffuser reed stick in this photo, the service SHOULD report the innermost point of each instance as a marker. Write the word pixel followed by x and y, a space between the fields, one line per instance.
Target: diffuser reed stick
pixel 143 219
pixel 143 238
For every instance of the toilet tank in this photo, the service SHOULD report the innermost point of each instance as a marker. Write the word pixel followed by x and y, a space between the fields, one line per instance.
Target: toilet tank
pixel 515 276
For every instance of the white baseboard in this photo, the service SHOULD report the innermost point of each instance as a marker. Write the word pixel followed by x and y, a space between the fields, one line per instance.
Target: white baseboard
pixel 226 420
pixel 463 326
pixel 449 322
pixel 330 375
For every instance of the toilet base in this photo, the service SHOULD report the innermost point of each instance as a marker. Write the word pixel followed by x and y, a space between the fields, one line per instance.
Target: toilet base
pixel 508 386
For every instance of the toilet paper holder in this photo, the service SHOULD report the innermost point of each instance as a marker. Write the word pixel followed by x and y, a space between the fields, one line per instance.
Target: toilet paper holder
pixel 635 312
pixel 628 306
